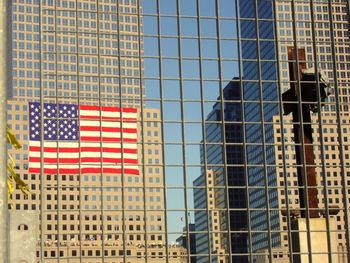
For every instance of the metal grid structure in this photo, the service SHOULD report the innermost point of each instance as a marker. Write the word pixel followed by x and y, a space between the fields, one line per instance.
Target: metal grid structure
pixel 218 176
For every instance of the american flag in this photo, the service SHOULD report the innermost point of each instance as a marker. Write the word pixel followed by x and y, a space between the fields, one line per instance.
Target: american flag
pixel 83 139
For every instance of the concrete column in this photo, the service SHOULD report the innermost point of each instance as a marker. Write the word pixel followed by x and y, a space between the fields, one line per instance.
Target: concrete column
pixel 23 236
pixel 319 245
pixel 4 55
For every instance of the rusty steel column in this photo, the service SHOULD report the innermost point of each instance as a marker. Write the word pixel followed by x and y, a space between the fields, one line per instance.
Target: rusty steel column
pixel 303 139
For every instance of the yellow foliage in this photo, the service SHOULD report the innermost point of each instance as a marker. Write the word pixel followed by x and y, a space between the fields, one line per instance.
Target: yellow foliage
pixel 11 138
pixel 12 177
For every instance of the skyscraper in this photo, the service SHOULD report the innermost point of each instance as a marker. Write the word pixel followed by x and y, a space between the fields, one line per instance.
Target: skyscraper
pixel 88 53
pixel 227 191
pixel 72 49
pixel 243 137
pixel 207 145
pixel 311 26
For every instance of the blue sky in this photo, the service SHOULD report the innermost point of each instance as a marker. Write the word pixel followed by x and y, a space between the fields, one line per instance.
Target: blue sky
pixel 191 85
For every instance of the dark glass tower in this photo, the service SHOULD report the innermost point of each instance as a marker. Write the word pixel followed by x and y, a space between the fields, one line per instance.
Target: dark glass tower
pixel 261 104
pixel 238 144
pixel 213 154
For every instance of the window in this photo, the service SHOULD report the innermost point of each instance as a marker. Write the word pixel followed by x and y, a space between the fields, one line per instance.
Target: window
pixel 178 122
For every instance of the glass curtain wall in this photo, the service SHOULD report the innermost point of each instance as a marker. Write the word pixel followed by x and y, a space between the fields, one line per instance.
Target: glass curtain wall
pixel 183 130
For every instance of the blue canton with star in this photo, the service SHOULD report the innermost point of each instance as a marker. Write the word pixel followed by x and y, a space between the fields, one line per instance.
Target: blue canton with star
pixel 58 125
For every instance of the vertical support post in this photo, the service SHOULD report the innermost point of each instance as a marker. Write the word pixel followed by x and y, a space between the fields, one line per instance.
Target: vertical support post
pixel 3 132
pixel 304 150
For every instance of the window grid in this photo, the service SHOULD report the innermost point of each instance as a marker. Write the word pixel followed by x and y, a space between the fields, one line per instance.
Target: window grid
pixel 338 110
pixel 181 144
pixel 321 130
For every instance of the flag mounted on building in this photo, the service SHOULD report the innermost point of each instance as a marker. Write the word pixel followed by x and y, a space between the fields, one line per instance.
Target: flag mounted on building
pixel 83 139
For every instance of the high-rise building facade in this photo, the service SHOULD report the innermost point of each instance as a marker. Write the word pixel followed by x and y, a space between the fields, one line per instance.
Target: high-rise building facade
pixel 246 150
pixel 77 49
pixel 216 158
pixel 239 199
pixel 88 53
pixel 317 27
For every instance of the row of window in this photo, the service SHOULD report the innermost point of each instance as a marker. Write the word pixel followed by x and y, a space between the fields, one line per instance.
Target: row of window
pixel 113 252
pixel 92 207
pixel 95 217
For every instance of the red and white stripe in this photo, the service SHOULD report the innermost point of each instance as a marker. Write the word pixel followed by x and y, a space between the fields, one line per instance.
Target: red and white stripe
pixel 96 151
